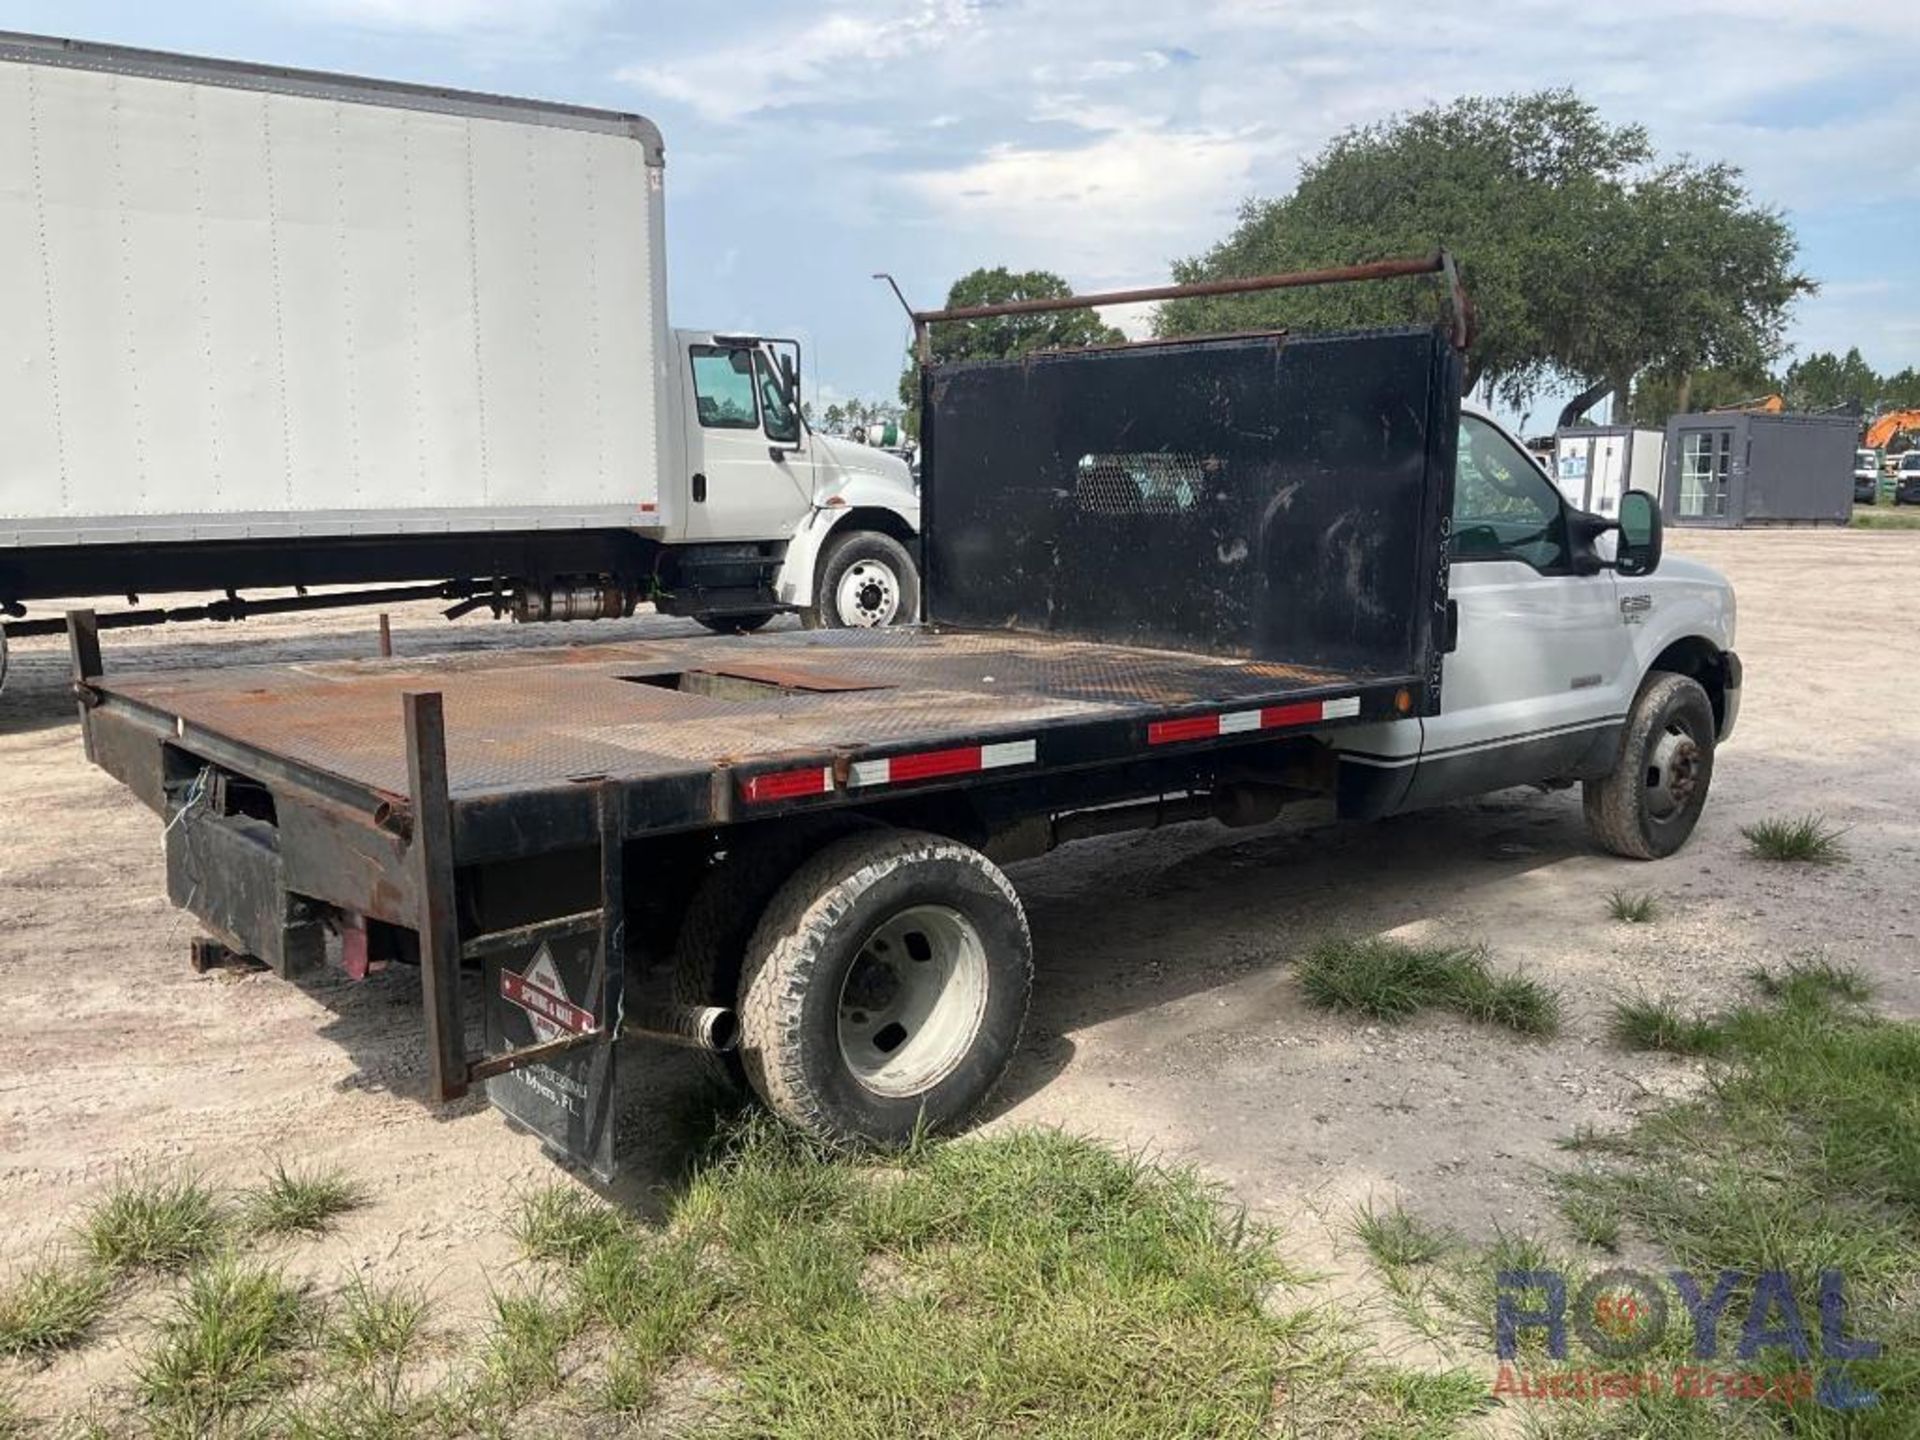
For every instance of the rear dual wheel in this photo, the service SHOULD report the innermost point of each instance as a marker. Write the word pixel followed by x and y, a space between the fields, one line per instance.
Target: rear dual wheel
pixel 883 989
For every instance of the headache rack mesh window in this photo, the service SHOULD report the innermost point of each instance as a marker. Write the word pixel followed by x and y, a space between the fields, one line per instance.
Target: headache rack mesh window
pixel 1148 483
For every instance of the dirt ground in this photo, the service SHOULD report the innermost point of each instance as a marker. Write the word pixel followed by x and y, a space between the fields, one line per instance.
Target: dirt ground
pixel 1165 1016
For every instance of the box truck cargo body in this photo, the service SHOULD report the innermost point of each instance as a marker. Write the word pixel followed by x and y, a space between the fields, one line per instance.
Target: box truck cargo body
pixel 269 327
pixel 1594 465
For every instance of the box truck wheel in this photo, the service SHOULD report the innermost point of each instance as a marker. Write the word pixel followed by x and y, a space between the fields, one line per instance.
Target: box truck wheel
pixel 885 987
pixel 1647 807
pixel 866 579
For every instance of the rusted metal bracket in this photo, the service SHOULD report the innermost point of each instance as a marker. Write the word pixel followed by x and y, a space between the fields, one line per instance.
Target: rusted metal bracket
pixel 83 645
pixel 438 921
pixel 494 941
pixel 488 1066
pixel 450 1070
pixel 1440 262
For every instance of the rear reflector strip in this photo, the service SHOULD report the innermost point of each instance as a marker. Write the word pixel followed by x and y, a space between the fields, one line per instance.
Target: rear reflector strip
pixel 894 770
pixel 1239 722
pixel 964 760
pixel 791 784
pixel 971 759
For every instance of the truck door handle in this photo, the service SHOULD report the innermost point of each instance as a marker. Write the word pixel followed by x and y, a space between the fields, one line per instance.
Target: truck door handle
pixel 699 489
pixel 1450 640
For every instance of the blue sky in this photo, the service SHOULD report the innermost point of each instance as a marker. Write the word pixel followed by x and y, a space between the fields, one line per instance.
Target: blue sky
pixel 811 144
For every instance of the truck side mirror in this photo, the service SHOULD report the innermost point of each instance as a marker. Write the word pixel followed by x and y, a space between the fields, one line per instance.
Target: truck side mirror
pixel 1638 552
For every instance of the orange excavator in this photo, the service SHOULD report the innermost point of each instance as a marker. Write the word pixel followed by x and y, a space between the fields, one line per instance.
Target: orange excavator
pixel 1758 405
pixel 1894 422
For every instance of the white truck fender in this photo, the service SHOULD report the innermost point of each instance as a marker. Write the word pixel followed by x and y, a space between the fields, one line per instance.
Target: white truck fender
pixel 855 493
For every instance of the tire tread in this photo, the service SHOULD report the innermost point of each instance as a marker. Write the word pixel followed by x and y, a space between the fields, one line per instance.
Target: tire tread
pixel 786 949
pixel 1612 805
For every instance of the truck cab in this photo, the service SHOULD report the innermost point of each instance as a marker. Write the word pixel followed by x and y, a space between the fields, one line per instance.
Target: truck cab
pixel 1554 642
pixel 754 500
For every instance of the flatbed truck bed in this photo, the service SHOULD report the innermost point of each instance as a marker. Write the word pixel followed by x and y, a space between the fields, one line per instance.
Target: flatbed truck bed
pixel 1156 577
pixel 709 732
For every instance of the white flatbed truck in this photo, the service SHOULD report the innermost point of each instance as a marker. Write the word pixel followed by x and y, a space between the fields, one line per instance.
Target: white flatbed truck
pixel 1166 582
pixel 270 329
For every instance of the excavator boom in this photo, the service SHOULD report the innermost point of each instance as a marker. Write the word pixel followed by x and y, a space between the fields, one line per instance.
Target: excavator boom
pixel 1893 423
pixel 1758 405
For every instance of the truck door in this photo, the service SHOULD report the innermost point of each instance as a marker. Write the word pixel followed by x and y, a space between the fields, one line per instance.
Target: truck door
pixel 740 418
pixel 1533 688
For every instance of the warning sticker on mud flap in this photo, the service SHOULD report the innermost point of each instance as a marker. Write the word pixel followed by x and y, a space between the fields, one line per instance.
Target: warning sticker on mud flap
pixel 548 989
pixel 541 992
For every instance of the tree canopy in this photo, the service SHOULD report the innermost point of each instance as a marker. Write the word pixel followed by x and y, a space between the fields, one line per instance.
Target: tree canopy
pixel 1825 381
pixel 853 415
pixel 1005 336
pixel 1588 260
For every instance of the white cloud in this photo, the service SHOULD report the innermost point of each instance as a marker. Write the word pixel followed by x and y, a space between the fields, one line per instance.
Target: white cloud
pixel 796 65
pixel 1116 207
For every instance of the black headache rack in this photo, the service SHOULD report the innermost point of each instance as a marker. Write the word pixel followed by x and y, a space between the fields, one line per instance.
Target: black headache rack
pixel 1151 571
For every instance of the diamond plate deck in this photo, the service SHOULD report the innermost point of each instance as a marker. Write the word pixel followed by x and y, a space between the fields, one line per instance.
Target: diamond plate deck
pixel 520 719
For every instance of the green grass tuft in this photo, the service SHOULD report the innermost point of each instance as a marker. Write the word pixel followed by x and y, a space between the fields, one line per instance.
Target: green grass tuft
pixel 1592 1212
pixel 1466 1285
pixel 375 1410
pixel 1396 1238
pixel 155 1219
pixel 523 1353
pixel 52 1306
pixel 1805 839
pixel 294 1202
pixel 1658 1024
pixel 562 1223
pixel 374 1329
pixel 1812 984
pixel 1632 909
pixel 1390 980
pixel 227 1347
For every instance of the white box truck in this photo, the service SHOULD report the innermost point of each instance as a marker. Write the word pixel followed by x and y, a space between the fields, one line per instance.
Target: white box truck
pixel 268 328
pixel 1594 465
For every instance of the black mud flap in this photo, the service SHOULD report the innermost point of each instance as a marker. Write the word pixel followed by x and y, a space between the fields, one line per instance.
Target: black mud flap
pixel 553 987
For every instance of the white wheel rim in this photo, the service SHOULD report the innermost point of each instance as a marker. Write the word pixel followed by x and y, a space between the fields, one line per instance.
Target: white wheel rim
pixel 1673 773
pixel 911 1005
pixel 868 594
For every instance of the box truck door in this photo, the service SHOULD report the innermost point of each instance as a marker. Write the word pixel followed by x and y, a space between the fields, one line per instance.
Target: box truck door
pixel 1573 466
pixel 751 474
pixel 1609 473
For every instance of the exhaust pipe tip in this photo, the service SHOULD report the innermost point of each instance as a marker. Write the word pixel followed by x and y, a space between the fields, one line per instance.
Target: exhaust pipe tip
pixel 714 1028
pixel 722 1030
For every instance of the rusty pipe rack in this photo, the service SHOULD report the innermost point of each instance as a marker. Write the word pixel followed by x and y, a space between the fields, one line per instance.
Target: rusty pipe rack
pixel 1440 262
